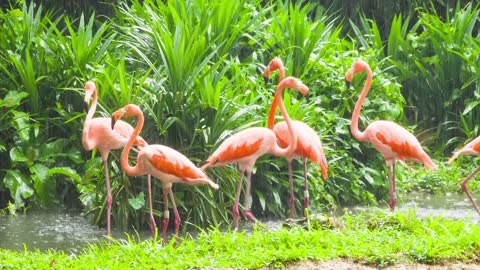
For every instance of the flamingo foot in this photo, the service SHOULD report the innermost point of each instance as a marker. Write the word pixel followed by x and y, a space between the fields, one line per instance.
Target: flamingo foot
pixel 393 202
pixel 249 215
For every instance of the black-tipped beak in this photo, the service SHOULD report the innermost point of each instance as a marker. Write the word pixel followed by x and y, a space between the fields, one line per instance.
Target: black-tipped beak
pixel 113 122
pixel 266 79
pixel 308 97
pixel 86 107
pixel 347 83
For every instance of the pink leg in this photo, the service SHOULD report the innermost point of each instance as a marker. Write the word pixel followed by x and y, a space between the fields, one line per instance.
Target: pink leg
pixel 236 212
pixel 305 173
pixel 109 195
pixel 153 225
pixel 166 214
pixel 175 211
pixel 393 193
pixel 292 192
pixel 469 194
pixel 248 199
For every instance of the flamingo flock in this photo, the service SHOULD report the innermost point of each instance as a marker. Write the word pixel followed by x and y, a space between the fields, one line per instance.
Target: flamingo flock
pixel 290 139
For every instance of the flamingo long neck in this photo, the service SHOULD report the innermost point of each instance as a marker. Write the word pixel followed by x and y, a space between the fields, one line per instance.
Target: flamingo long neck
pixel 360 135
pixel 87 143
pixel 273 108
pixel 293 135
pixel 132 170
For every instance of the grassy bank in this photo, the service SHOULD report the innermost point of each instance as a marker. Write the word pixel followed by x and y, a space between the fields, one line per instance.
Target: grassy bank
pixel 379 239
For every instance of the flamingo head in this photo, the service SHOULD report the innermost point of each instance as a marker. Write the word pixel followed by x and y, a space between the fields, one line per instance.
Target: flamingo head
pixel 90 88
pixel 294 83
pixel 128 110
pixel 274 65
pixel 357 67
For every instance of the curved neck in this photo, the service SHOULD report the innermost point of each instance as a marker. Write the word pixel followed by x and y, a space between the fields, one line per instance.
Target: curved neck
pixel 273 108
pixel 360 135
pixel 278 101
pixel 87 144
pixel 135 170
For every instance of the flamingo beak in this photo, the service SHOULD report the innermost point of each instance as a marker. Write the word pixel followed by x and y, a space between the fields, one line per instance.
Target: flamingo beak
pixel 114 120
pixel 86 107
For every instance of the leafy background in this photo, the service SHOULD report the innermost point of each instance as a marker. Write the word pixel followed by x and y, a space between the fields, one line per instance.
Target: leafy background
pixel 196 69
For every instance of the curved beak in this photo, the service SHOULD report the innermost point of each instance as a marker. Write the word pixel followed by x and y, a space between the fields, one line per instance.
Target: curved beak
pixel 113 121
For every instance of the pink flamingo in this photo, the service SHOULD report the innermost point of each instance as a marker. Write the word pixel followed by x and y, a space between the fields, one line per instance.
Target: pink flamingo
pixel 246 146
pixel 164 163
pixel 309 145
pixel 471 148
pixel 389 138
pixel 98 133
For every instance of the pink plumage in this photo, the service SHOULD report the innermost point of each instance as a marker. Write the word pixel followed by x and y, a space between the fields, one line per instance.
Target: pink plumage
pixel 163 162
pixel 248 145
pixel 309 145
pixel 389 138
pixel 471 148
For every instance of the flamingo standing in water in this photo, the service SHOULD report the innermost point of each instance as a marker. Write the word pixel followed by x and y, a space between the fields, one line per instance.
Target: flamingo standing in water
pixel 246 146
pixel 97 133
pixel 309 145
pixel 389 138
pixel 471 148
pixel 164 163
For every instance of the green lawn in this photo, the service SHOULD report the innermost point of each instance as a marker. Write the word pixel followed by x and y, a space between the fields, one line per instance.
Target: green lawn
pixel 379 239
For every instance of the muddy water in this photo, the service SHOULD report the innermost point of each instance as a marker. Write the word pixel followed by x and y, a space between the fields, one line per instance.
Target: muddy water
pixel 72 232
pixel 450 205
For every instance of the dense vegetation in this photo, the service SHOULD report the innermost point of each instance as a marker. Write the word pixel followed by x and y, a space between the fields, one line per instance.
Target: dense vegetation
pixel 195 68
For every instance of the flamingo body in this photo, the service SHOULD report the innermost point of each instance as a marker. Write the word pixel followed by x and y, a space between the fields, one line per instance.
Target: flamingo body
pixel 471 148
pixel 170 166
pixel 389 138
pixel 395 142
pixel 308 143
pixel 166 164
pixel 246 146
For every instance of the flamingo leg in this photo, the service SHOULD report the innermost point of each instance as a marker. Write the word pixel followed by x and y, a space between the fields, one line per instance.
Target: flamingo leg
pixel 292 192
pixel 248 198
pixel 469 194
pixel 109 195
pixel 153 225
pixel 166 214
pixel 393 190
pixel 175 211
pixel 305 173
pixel 236 212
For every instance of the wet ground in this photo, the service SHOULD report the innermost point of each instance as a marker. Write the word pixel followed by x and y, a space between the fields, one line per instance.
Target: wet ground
pixel 71 231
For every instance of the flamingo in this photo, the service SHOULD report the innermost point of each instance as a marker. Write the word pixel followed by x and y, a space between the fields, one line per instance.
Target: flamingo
pixel 163 162
pixel 97 133
pixel 389 138
pixel 471 148
pixel 309 145
pixel 246 146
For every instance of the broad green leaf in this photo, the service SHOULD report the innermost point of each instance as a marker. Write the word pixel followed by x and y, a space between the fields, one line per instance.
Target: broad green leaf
pixel 65 171
pixel 19 189
pixel 13 98
pixel 137 202
pixel 21 121
pixel 16 155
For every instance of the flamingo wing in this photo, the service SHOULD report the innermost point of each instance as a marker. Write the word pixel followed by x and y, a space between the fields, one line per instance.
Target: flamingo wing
pixel 247 144
pixel 309 144
pixel 394 141
pixel 471 148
